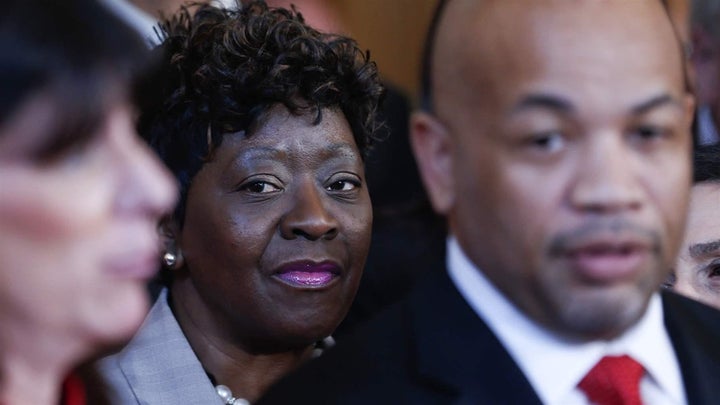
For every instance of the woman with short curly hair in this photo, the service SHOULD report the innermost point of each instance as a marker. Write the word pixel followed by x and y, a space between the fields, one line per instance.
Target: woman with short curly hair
pixel 265 123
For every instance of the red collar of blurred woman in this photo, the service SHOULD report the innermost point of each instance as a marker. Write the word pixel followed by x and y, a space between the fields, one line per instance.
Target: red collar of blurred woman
pixel 73 391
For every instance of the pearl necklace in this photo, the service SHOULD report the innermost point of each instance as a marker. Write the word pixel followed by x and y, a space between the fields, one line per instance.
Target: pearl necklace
pixel 226 395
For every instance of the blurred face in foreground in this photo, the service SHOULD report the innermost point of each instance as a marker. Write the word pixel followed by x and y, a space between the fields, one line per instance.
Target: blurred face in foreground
pixel 698 267
pixel 560 150
pixel 78 233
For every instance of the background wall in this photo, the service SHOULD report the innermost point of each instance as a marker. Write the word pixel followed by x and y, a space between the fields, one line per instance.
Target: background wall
pixel 393 31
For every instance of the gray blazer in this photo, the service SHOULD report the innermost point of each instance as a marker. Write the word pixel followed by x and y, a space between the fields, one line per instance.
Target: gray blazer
pixel 158 366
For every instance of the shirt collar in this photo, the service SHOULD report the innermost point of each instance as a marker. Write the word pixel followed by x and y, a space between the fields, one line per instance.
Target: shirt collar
pixel 553 366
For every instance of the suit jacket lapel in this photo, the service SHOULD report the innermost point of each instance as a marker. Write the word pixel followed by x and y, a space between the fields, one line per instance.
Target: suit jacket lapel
pixel 695 333
pixel 159 364
pixel 456 351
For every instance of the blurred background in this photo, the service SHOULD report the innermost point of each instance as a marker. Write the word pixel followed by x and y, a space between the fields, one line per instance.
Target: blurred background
pixel 394 31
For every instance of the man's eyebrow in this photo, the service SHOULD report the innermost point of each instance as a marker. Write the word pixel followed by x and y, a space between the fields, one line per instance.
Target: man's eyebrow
pixel 704 249
pixel 545 101
pixel 561 104
pixel 654 102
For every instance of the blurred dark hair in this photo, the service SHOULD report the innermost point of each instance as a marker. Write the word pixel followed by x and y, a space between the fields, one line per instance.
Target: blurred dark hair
pixel 706 163
pixel 74 51
pixel 221 70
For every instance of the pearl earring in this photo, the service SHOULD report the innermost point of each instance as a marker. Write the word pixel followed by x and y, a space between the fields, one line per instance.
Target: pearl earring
pixel 169 260
pixel 173 261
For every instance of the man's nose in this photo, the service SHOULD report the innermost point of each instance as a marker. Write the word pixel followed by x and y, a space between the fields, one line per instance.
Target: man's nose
pixel 605 178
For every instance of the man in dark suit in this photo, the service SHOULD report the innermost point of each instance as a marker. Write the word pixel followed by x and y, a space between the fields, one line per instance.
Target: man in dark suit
pixel 696 272
pixel 555 136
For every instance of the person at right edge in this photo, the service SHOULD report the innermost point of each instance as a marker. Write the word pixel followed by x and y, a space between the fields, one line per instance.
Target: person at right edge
pixel 555 135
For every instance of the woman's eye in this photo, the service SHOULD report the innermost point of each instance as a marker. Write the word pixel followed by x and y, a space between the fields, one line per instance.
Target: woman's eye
pixel 260 187
pixel 342 185
pixel 548 142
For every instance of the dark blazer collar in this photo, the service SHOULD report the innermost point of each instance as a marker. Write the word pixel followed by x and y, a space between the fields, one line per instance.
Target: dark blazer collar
pixel 695 333
pixel 456 351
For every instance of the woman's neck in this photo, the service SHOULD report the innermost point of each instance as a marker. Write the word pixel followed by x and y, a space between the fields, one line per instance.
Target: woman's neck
pixel 33 362
pixel 28 385
pixel 247 374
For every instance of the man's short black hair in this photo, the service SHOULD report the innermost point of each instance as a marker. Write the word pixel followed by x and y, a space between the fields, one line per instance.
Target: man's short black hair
pixel 706 163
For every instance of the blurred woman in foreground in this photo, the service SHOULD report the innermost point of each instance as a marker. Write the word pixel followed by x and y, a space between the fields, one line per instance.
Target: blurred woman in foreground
pixel 80 196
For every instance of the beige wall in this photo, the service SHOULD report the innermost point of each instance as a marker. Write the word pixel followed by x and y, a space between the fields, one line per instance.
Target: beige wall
pixel 394 31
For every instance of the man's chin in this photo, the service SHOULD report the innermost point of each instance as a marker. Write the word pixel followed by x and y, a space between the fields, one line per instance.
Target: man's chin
pixel 601 313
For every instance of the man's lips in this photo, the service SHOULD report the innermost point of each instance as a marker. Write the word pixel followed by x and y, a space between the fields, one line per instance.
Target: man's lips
pixel 607 260
pixel 308 274
pixel 606 251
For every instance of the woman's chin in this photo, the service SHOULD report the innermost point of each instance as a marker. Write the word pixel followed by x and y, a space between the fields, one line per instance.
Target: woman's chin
pixel 119 316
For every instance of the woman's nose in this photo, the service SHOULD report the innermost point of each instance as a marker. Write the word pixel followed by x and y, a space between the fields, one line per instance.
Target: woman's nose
pixel 145 186
pixel 309 217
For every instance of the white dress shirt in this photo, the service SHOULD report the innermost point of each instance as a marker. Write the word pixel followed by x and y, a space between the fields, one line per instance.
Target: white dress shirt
pixel 555 367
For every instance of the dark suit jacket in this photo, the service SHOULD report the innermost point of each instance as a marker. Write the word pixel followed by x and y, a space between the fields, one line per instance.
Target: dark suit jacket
pixel 432 348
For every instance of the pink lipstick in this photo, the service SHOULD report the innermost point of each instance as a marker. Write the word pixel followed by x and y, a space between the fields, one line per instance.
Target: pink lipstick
pixel 308 274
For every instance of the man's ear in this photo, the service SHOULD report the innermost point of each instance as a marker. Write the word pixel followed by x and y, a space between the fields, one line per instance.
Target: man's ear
pixel 432 146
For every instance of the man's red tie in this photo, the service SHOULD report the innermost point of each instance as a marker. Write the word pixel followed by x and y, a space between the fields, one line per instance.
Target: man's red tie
pixel 615 380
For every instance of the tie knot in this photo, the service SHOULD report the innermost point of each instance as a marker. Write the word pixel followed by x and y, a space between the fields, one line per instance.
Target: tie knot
pixel 615 380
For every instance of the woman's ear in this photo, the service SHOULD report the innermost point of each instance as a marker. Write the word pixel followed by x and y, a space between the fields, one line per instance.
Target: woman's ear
pixel 172 257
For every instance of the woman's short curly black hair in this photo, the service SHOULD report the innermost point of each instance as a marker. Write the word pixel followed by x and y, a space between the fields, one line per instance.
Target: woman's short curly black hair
pixel 221 70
